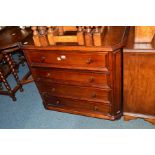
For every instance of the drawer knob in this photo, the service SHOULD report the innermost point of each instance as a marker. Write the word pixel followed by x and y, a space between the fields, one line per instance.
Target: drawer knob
pixel 53 89
pixel 48 74
pixel 57 102
pixel 95 108
pixel 89 61
pixel 43 59
pixel 93 95
pixel 91 79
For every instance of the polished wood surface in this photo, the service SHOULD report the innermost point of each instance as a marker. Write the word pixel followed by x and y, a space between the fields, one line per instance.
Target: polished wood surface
pixel 144 34
pixel 82 107
pixel 82 35
pixel 139 81
pixel 64 59
pixel 11 35
pixel 114 38
pixel 73 91
pixel 81 79
pixel 87 78
pixel 140 46
pixel 10 42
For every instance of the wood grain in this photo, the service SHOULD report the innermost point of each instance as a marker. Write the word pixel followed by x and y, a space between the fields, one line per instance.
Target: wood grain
pixel 79 79
pixel 144 34
pixel 139 84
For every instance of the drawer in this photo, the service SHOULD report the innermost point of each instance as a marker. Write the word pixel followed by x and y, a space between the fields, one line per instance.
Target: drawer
pixel 84 78
pixel 69 59
pixel 75 105
pixel 75 92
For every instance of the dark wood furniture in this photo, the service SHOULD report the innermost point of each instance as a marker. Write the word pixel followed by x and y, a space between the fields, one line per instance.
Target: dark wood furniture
pixel 80 79
pixel 139 77
pixel 10 42
pixel 7 67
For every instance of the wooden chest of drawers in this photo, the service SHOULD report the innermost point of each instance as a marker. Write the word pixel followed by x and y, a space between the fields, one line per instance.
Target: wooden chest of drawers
pixel 79 79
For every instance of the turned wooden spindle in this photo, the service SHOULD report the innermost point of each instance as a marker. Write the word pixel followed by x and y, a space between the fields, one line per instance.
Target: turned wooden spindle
pixel 1 87
pixel 36 36
pixel 96 29
pixel 103 28
pixel 6 84
pixel 97 36
pixel 9 59
pixel 50 35
pixel 43 35
pixel 88 36
pixel 80 35
pixel 60 30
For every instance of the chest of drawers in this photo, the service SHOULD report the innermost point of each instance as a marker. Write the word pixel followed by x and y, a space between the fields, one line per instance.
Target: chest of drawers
pixel 79 79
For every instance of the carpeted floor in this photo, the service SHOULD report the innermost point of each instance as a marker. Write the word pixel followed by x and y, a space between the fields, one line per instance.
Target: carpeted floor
pixel 28 112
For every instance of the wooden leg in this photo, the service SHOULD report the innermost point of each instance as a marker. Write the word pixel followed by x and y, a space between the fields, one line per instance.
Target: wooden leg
pixel 6 84
pixel 152 121
pixel 12 68
pixel 1 87
pixel 128 118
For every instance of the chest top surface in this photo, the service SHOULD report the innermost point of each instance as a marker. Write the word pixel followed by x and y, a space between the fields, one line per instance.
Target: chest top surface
pixel 114 38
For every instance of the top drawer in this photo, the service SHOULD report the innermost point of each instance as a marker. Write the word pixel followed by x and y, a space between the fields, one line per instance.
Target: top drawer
pixel 69 59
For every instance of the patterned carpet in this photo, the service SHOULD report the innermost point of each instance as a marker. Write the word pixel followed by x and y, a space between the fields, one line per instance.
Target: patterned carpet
pixel 28 112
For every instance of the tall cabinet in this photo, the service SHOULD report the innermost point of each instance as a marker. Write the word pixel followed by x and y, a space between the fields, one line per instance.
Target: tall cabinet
pixel 139 75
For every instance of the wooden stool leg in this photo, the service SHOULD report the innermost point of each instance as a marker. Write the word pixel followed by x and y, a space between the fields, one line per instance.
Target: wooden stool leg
pixel 6 84
pixel 11 65
pixel 1 87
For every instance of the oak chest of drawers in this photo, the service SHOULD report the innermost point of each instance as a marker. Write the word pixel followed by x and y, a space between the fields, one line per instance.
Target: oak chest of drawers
pixel 79 79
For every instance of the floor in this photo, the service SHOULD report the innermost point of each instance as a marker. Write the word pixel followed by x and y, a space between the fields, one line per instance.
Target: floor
pixel 28 112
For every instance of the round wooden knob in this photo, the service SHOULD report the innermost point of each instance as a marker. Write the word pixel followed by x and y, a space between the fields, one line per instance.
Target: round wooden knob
pixel 57 102
pixel 95 108
pixel 93 95
pixel 48 74
pixel 43 59
pixel 53 89
pixel 91 79
pixel 89 61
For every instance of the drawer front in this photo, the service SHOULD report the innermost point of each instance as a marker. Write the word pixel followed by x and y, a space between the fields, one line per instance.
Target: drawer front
pixel 69 59
pixel 72 77
pixel 75 92
pixel 75 105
